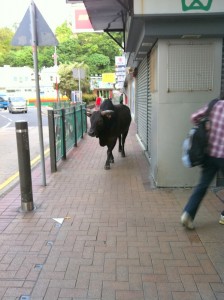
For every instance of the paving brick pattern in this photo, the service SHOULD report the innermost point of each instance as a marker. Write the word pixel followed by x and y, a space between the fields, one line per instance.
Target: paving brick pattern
pixel 121 237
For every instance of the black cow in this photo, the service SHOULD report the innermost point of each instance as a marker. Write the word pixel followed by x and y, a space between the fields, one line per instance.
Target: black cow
pixel 108 124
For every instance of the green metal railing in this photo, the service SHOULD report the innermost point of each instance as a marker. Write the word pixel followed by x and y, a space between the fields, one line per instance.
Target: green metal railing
pixel 66 127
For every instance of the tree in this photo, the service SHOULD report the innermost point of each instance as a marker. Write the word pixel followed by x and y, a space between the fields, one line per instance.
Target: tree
pixel 68 83
pixel 98 63
pixel 45 56
pixel 99 43
pixel 80 47
pixel 63 33
pixel 20 57
pixel 94 51
pixel 6 35
pixel 68 51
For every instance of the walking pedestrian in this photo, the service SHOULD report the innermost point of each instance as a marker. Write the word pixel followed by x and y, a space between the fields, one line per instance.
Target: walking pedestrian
pixel 98 102
pixel 213 164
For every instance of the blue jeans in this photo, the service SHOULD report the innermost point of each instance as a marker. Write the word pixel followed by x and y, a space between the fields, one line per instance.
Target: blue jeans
pixel 208 172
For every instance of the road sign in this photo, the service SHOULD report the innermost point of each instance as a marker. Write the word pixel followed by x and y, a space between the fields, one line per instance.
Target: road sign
pixel 23 35
pixel 34 31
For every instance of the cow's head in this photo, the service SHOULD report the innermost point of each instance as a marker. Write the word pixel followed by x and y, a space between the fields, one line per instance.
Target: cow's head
pixel 97 121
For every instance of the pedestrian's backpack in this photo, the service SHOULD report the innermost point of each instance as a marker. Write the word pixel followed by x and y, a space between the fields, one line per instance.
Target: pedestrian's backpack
pixel 194 147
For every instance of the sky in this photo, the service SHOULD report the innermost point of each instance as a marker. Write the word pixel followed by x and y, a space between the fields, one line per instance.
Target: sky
pixel 54 12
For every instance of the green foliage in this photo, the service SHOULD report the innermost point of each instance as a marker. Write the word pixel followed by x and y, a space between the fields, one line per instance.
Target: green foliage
pixel 68 83
pixel 68 51
pixel 63 33
pixel 88 98
pixel 100 44
pixel 98 63
pixel 5 39
pixel 20 57
pixel 45 58
pixel 95 51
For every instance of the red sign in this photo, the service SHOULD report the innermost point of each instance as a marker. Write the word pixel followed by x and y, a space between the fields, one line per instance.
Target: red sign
pixel 81 22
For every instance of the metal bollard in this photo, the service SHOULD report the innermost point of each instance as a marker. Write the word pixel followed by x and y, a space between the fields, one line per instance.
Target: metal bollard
pixel 24 166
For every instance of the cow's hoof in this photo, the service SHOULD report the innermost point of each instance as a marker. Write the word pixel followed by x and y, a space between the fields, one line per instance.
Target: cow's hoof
pixel 122 154
pixel 106 167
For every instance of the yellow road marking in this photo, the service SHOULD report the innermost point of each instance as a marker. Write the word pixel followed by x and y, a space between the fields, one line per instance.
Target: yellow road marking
pixel 14 176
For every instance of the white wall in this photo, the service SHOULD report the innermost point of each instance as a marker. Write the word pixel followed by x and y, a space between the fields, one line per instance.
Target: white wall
pixel 152 7
pixel 171 118
pixel 22 80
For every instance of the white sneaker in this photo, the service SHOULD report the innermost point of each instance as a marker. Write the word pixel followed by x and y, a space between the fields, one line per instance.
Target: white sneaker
pixel 187 221
pixel 221 220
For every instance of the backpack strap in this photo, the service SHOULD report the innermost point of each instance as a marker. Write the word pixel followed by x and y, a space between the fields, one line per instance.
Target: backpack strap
pixel 210 106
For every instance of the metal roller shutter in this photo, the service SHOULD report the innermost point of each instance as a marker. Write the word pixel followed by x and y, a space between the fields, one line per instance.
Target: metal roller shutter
pixel 142 102
pixel 220 177
pixel 222 75
pixel 149 113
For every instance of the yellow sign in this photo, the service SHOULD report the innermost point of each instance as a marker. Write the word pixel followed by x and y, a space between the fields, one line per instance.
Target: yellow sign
pixel 108 77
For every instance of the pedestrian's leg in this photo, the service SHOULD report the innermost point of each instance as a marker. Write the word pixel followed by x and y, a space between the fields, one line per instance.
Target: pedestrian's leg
pixel 221 163
pixel 207 175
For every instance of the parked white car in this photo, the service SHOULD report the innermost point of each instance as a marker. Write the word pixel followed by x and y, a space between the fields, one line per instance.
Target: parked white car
pixel 17 104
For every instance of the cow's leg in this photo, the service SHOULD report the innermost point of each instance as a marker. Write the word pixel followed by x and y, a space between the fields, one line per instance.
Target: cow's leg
pixel 120 144
pixel 110 157
pixel 108 161
pixel 123 138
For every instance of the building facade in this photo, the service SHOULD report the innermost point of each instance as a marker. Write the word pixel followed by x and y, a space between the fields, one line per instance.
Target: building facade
pixel 174 57
pixel 179 69
pixel 21 80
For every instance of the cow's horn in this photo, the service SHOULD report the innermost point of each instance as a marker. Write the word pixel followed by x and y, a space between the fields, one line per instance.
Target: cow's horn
pixel 106 112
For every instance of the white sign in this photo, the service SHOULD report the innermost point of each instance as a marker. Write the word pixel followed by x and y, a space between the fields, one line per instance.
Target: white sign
pixel 119 85
pixel 120 78
pixel 120 61
pixel 78 73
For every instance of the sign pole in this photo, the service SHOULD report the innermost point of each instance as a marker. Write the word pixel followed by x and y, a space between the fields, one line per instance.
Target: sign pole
pixel 79 85
pixel 35 62
pixel 56 68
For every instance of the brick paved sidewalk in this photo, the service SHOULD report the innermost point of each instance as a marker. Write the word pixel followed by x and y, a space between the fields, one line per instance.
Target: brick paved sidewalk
pixel 121 238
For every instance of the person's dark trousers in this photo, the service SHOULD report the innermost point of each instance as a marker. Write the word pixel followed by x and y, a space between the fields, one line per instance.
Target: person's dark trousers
pixel 208 172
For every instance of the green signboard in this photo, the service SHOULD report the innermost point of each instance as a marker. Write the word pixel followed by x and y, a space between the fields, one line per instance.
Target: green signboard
pixel 196 5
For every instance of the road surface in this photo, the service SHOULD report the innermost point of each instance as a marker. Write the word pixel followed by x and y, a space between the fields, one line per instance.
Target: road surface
pixel 8 143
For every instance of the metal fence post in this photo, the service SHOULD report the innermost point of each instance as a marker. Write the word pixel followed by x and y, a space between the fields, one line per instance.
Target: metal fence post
pixel 51 127
pixel 24 165
pixel 75 124
pixel 63 133
pixel 86 118
pixel 81 120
